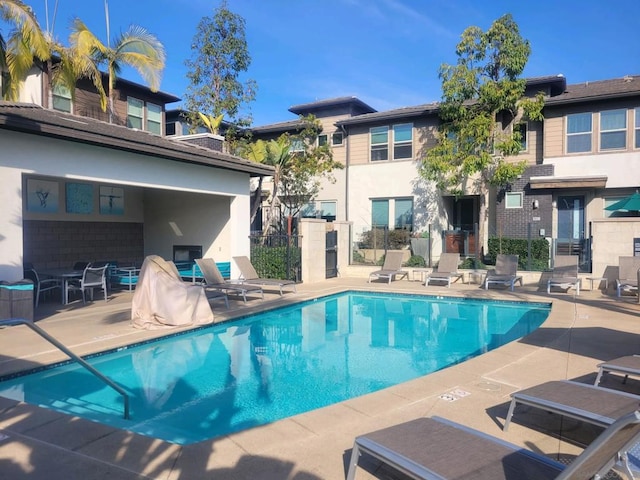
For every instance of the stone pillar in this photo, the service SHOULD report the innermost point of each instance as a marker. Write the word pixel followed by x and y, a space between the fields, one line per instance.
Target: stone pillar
pixel 313 245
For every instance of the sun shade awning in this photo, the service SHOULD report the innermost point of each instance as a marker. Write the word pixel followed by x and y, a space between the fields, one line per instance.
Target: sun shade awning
pixel 596 181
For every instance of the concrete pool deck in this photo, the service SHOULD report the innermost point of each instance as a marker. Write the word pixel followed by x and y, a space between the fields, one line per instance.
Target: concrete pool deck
pixel 580 332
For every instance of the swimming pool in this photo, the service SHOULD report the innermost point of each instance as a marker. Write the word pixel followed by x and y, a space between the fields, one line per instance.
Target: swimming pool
pixel 261 368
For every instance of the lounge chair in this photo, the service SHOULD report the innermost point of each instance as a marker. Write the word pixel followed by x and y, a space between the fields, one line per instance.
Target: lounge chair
pixel 565 273
pixel 216 282
pixel 627 280
pixel 447 270
pixel 588 403
pixel 505 273
pixel 249 275
pixel 391 268
pixel 435 448
pixel 627 365
pixel 210 294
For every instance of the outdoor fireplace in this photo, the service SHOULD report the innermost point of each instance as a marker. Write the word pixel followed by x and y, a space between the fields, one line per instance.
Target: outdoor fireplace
pixel 186 253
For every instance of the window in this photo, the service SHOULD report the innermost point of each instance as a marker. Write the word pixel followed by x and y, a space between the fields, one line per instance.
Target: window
pixel 613 129
pixel 379 213
pixel 637 128
pixel 579 132
pixel 61 98
pixel 325 210
pixel 337 139
pixel 513 200
pixel 135 110
pixel 393 213
pixel 322 140
pixel 379 143
pixel 522 130
pixel 297 145
pixel 404 213
pixel 403 141
pixel 154 118
pixel 608 201
pixel 170 128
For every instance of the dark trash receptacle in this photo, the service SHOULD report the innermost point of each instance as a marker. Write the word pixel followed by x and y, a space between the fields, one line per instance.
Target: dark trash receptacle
pixel 16 300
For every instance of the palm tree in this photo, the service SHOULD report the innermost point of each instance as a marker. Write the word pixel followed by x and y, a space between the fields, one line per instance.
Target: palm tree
pixel 19 49
pixel 136 48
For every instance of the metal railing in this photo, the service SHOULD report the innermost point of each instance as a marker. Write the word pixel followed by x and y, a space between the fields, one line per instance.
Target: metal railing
pixel 73 356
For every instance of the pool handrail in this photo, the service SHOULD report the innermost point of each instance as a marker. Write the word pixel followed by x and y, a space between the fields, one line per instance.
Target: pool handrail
pixel 73 356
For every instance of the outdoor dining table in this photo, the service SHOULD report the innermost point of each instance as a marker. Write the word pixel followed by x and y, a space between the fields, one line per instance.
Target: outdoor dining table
pixel 65 275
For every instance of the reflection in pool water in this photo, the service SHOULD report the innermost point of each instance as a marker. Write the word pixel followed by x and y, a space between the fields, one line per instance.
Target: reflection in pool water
pixel 262 368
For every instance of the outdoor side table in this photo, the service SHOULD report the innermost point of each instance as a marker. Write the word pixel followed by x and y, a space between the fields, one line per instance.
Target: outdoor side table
pixel 422 271
pixel 599 279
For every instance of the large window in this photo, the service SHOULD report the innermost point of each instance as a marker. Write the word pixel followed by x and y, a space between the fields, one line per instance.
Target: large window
pixel 323 209
pixel 403 141
pixel 393 213
pixel 154 118
pixel 522 130
pixel 613 129
pixel 61 98
pixel 579 132
pixel 379 143
pixel 135 113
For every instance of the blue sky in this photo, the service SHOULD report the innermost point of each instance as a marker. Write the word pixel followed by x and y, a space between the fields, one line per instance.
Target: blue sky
pixel 385 52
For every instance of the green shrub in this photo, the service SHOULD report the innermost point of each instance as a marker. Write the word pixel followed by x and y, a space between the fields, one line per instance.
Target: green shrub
pixel 397 239
pixel 472 264
pixel 520 246
pixel 271 262
pixel 416 261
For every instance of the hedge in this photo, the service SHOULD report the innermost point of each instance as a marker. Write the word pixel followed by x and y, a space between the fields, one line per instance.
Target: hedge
pixel 520 247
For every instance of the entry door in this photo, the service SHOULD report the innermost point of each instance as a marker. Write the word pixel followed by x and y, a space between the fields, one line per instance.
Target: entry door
pixel 571 233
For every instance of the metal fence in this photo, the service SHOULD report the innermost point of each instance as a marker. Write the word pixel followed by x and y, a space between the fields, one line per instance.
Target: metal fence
pixel 277 256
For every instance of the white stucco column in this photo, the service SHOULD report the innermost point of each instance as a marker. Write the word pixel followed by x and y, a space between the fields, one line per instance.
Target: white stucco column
pixel 344 243
pixel 11 251
pixel 239 229
pixel 313 245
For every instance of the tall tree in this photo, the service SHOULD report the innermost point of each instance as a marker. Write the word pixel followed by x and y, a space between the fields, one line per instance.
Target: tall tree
pixel 299 163
pixel 219 56
pixel 17 51
pixel 136 48
pixel 482 100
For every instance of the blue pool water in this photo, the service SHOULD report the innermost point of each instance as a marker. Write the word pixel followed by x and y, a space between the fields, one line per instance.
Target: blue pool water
pixel 265 367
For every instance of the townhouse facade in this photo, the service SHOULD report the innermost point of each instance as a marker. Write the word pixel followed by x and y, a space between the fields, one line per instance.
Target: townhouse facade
pixel 584 156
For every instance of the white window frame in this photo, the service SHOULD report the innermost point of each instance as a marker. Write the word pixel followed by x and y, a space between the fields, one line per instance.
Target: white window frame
pixel 297 145
pixel 130 101
pixel 61 92
pixel 622 130
pixel 380 146
pixel 524 142
pixel 520 202
pixel 149 122
pixel 402 143
pixel 588 133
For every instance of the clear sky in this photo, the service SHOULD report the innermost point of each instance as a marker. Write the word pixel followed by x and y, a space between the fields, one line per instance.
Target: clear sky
pixel 385 52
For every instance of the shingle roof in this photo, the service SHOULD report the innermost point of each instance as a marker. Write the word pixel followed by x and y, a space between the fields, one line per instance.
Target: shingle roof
pixel 404 112
pixel 358 105
pixel 33 119
pixel 599 90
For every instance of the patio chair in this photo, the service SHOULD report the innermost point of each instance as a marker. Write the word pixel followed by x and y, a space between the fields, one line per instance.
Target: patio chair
pixel 391 267
pixel 249 275
pixel 92 278
pixel 627 280
pixel 435 448
pixel 210 294
pixel 447 270
pixel 40 285
pixel 627 365
pixel 216 282
pixel 565 273
pixel 505 273
pixel 587 403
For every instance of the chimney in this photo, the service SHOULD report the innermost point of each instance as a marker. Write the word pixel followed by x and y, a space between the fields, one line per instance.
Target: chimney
pixel 204 140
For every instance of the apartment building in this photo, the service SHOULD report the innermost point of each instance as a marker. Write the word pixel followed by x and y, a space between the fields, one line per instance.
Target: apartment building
pixel 584 156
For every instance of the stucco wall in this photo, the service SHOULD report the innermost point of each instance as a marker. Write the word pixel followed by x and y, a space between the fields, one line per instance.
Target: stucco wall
pixel 612 238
